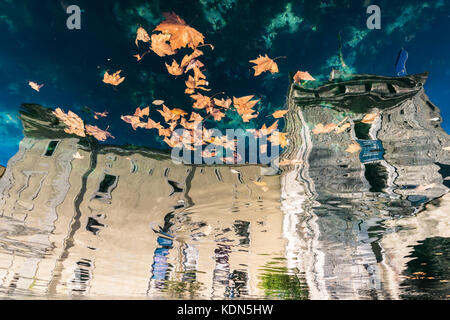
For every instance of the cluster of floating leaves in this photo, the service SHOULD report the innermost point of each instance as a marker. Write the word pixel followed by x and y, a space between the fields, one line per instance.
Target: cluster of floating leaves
pixel 168 37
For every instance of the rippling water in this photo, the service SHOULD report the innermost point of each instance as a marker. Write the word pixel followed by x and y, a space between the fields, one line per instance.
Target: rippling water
pixel 130 223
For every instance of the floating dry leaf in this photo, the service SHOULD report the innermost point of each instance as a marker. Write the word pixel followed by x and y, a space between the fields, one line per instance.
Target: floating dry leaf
pixel 188 58
pixel 174 69
pixel 160 45
pixel 223 103
pixel 343 127
pixel 35 86
pixel 134 121
pixel 158 102
pixel 103 114
pixel 354 147
pixel 74 123
pixel 142 112
pixel 320 128
pixel 369 118
pixel 97 133
pixel 264 64
pixel 278 138
pixel 114 78
pixel 303 75
pixel 279 113
pixel 181 34
pixel 142 35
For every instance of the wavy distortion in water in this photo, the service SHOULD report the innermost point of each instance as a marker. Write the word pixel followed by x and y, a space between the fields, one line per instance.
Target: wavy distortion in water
pixel 128 222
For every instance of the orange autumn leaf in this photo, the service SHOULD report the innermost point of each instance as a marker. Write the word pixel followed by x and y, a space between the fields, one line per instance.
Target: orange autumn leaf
pixel 134 121
pixel 172 142
pixel 303 75
pixel 103 114
pixel 192 84
pixel 354 147
pixel 278 138
pixel 187 125
pixel 188 58
pixel 181 35
pixel 369 118
pixel 223 103
pixel 279 113
pixel 246 117
pixel 195 117
pixel 343 127
pixel 177 111
pixel 141 35
pixel 114 78
pixel 171 115
pixel 35 86
pixel 142 112
pixel 320 128
pixel 217 114
pixel 264 64
pixel 97 133
pixel 195 64
pixel 174 69
pixel 152 124
pixel 158 102
pixel 74 123
pixel 201 101
pixel 198 74
pixel 160 46
pixel 164 132
pixel 266 131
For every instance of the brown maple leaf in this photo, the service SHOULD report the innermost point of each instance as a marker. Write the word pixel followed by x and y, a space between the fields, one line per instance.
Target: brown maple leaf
pixel 174 69
pixel 303 75
pixel 98 115
pixel 369 118
pixel 97 133
pixel 354 147
pixel 264 64
pixel 114 78
pixel 278 138
pixel 181 35
pixel 192 84
pixel 217 114
pixel 160 46
pixel 134 121
pixel 140 113
pixel 320 128
pixel 343 127
pixel 74 123
pixel 201 101
pixel 223 103
pixel 195 117
pixel 158 102
pixel 188 58
pixel 35 86
pixel 279 113
pixel 141 35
